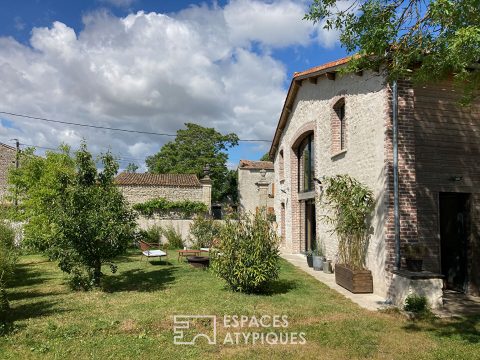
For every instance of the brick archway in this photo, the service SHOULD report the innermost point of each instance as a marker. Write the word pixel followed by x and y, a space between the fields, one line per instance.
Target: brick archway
pixel 297 213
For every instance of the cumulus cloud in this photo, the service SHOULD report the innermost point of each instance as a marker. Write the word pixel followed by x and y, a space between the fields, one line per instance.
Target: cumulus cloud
pixel 151 72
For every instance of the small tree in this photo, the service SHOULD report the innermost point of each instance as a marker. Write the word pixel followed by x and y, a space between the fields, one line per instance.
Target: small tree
pixel 351 204
pixel 246 255
pixel 75 213
pixel 131 168
pixel 8 258
pixel 204 230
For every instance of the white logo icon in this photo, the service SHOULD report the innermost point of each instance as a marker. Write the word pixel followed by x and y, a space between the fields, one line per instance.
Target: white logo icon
pixel 188 328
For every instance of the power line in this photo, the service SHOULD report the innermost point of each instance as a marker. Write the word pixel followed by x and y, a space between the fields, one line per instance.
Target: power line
pixel 106 127
pixel 120 157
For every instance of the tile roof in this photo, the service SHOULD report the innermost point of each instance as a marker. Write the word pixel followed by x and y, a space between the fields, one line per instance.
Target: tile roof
pixel 8 147
pixel 250 164
pixel 323 67
pixel 149 179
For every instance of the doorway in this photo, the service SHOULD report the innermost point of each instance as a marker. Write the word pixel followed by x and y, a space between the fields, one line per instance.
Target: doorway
pixel 454 233
pixel 310 225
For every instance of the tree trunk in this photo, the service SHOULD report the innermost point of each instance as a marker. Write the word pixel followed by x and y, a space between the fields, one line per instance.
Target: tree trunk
pixel 97 273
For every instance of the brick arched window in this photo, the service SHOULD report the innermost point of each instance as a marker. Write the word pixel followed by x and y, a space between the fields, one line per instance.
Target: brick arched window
pixel 306 164
pixel 339 127
pixel 281 169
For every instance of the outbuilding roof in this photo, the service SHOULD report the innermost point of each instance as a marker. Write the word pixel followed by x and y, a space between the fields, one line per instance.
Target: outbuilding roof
pixel 250 164
pixel 8 147
pixel 149 179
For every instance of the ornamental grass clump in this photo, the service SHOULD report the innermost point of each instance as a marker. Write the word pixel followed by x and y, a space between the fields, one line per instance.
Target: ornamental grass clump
pixel 350 204
pixel 246 254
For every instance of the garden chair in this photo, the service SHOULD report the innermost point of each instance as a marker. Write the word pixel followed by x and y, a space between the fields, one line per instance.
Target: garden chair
pixel 149 251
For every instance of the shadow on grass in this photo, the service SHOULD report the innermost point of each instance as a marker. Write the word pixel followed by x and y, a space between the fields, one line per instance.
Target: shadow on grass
pixel 278 287
pixel 142 280
pixel 25 275
pixel 34 310
pixel 465 328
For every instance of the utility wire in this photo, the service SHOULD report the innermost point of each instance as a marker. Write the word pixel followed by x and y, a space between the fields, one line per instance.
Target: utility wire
pixel 120 157
pixel 106 127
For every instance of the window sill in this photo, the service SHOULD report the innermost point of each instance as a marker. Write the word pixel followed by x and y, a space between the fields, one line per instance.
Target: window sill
pixel 338 154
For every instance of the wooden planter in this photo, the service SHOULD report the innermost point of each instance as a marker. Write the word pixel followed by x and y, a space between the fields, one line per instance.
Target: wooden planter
pixel 356 281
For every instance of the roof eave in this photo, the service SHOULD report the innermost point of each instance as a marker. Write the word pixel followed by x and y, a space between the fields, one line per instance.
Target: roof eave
pixel 295 85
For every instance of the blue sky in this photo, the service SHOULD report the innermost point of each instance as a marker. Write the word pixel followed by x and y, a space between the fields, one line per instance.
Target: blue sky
pixel 152 65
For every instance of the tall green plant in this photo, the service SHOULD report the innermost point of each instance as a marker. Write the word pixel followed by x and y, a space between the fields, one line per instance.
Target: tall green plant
pixel 8 258
pixel 246 254
pixel 351 204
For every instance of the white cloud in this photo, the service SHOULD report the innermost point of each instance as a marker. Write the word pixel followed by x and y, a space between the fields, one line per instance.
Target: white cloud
pixel 276 24
pixel 151 72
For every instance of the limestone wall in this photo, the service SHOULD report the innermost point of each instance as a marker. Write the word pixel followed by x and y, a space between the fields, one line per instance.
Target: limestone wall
pixel 141 194
pixel 7 160
pixel 248 194
pixel 366 111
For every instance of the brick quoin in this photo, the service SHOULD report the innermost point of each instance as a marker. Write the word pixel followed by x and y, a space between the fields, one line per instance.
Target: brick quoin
pixel 406 173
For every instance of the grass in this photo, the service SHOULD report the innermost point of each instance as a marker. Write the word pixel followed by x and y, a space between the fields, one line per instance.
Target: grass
pixel 132 317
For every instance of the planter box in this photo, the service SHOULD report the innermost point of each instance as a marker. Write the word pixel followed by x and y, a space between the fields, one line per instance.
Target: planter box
pixel 356 281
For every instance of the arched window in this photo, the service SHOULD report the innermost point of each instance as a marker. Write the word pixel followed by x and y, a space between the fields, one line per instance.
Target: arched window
pixel 306 164
pixel 339 128
pixel 281 166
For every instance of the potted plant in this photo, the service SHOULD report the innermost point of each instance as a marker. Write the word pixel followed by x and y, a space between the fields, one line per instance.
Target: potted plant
pixel 309 255
pixel 414 254
pixel 350 205
pixel 318 259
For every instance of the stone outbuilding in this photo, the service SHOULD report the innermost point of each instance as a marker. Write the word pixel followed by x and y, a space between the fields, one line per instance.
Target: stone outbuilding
pixel 141 187
pixel 255 185
pixel 344 124
pixel 7 161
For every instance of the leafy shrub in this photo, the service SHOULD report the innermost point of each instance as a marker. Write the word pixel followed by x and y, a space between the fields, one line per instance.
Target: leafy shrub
pixel 164 207
pixel 246 254
pixel 8 258
pixel 152 235
pixel 416 304
pixel 204 230
pixel 174 238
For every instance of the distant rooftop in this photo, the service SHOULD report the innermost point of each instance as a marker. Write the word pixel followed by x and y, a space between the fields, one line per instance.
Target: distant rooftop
pixel 250 164
pixel 149 179
pixel 8 146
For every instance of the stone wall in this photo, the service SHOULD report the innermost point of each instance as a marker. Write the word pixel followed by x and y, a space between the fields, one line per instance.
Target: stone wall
pixel 366 113
pixel 248 194
pixel 7 160
pixel 141 194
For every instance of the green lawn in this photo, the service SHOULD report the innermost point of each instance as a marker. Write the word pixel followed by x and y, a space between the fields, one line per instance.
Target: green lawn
pixel 133 318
